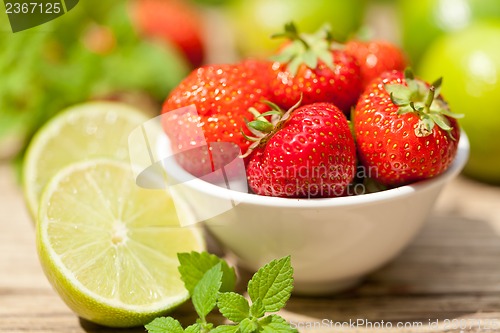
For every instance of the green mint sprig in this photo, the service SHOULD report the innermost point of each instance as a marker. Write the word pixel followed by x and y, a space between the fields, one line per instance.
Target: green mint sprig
pixel 210 282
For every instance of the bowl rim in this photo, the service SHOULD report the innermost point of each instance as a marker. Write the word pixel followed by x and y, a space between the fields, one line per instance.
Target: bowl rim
pixel 237 197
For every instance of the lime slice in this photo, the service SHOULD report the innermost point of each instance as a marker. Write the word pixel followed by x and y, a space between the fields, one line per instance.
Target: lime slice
pixel 94 129
pixel 109 247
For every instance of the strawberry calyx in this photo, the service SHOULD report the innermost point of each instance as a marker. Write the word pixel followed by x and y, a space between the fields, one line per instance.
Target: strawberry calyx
pixel 423 100
pixel 264 129
pixel 305 49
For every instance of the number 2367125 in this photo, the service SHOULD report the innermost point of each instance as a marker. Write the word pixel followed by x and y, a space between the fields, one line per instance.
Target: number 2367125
pixel 33 8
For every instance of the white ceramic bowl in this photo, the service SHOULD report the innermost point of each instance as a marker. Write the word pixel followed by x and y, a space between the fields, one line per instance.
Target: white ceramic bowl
pixel 333 242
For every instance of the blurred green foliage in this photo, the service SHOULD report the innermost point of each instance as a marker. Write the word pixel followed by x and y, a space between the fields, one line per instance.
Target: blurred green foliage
pixel 91 52
pixel 212 2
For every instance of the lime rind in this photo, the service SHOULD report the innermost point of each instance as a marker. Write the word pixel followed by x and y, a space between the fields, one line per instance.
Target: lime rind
pixel 88 130
pixel 110 276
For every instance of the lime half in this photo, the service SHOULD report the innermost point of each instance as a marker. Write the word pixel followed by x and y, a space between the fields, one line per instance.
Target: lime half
pixel 89 130
pixel 109 247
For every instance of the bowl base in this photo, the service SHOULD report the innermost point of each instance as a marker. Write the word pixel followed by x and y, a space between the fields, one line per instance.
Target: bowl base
pixel 322 288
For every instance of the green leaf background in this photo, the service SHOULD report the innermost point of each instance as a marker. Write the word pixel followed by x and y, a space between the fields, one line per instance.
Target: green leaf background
pixel 48 68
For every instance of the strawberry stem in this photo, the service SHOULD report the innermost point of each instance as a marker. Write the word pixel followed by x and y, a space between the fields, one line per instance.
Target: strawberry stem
pixel 419 98
pixel 409 74
pixel 291 33
pixel 429 99
pixel 256 114
pixel 263 128
pixel 305 49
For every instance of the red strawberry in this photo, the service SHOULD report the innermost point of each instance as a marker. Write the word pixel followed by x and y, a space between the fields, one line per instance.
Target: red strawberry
pixel 309 66
pixel 222 95
pixel 309 153
pixel 404 129
pixel 173 21
pixel 376 57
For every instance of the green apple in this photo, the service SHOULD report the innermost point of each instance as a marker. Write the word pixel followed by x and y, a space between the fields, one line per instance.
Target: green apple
pixel 469 62
pixel 423 20
pixel 256 20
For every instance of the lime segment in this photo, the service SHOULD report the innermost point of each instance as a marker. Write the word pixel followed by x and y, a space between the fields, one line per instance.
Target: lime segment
pixel 89 130
pixel 110 247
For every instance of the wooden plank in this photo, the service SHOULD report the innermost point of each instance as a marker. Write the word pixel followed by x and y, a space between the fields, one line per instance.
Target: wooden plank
pixel 451 270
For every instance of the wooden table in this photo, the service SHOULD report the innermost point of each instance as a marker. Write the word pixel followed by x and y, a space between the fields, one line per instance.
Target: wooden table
pixel 449 275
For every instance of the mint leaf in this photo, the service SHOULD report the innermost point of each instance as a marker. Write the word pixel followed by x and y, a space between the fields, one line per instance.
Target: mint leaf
pixel 269 290
pixel 257 310
pixel 225 329
pixel 233 306
pixel 275 324
pixel 205 293
pixel 195 328
pixel 194 265
pixel 164 325
pixel 248 326
pixel 272 284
